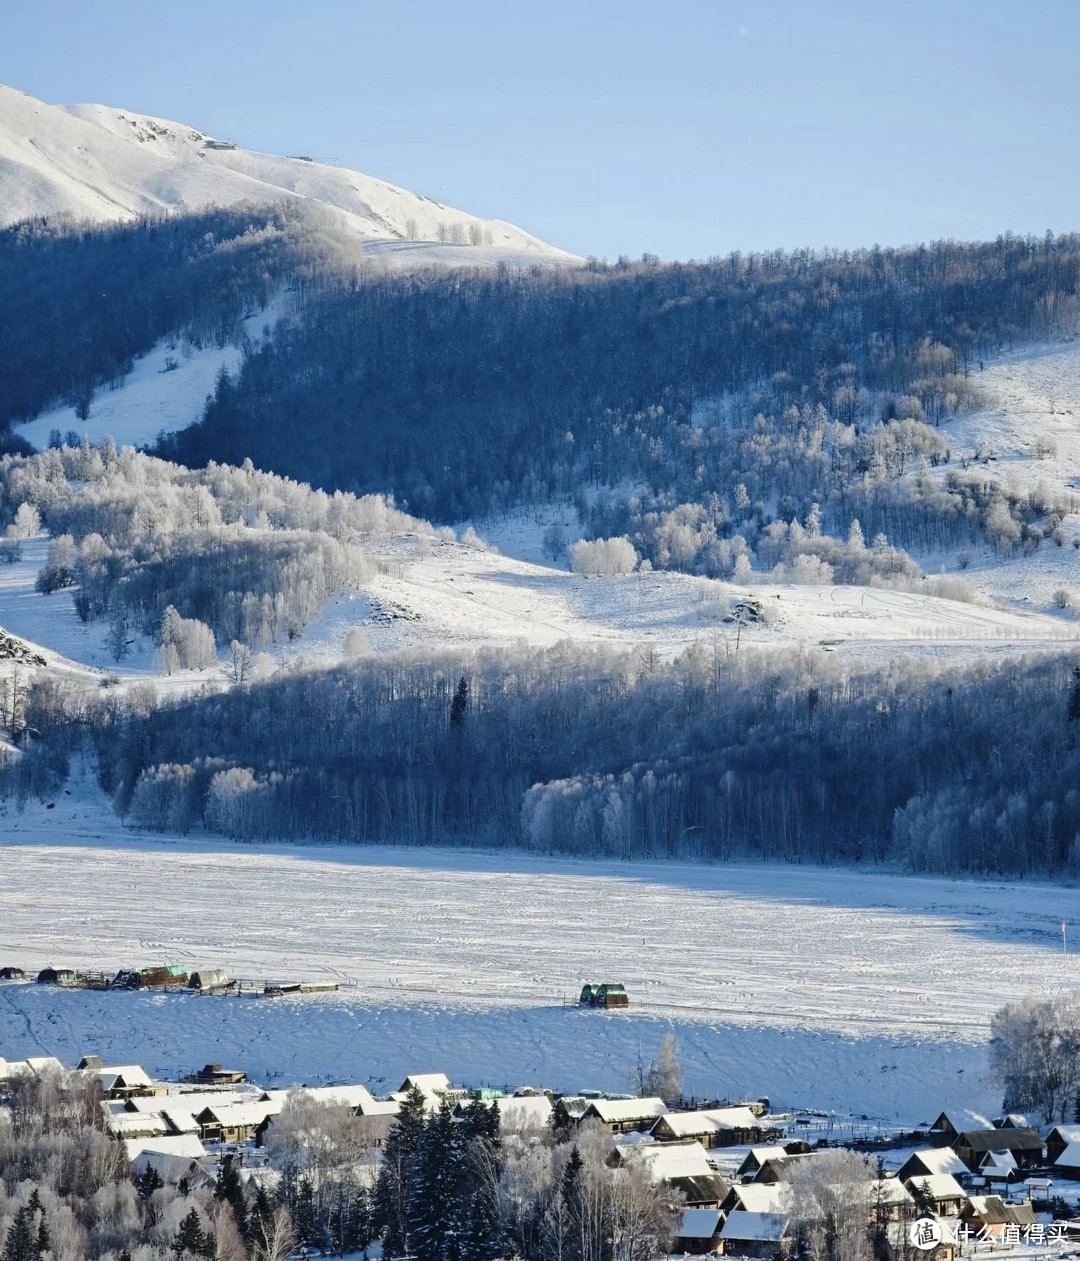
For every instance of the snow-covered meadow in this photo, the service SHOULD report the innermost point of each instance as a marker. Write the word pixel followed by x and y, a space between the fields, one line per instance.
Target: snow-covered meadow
pixel 812 986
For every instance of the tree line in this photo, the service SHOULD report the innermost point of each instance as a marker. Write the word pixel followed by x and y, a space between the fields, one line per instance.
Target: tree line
pixel 723 753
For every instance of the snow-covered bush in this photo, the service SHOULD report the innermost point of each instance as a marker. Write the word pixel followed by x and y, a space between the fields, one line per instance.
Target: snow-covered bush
pixel 602 557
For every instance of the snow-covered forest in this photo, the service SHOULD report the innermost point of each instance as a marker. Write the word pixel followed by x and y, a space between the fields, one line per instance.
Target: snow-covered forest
pixel 746 388
pixel 595 751
pixel 249 556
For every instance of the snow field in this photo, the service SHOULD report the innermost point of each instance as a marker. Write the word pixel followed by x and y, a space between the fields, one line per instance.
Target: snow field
pixel 813 986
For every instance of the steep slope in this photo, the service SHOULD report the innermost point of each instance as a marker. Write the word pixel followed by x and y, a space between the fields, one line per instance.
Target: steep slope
pixel 103 164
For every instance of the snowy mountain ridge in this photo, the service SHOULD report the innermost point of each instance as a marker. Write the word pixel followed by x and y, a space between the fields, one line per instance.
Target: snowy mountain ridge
pixel 97 163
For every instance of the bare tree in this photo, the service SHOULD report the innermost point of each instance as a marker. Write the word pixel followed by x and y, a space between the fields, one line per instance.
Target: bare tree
pixel 1035 1054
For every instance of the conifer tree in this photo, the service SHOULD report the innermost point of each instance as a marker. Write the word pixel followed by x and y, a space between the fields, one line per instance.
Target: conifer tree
pixel 393 1189
pixel 21 1243
pixel 436 1224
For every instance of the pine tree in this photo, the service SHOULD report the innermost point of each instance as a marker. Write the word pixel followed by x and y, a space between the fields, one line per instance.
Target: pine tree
pixel 21 1243
pixel 460 703
pixel 148 1182
pixel 260 1216
pixel 309 1229
pixel 1074 698
pixel 230 1189
pixel 436 1225
pixel 394 1187
pixel 481 1139
pixel 192 1238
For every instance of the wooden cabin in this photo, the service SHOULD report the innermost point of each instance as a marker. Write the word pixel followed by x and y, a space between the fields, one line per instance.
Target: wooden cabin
pixel 215 1075
pixel 1059 1138
pixel 621 1116
pixel 1025 1145
pixel 235 1122
pixel 943 1133
pixel 698 1232
pixel 991 1214
pixel 932 1160
pixel 714 1127
pixel 749 1234
pixel 684 1167
pixel 757 1156
pixel 941 1193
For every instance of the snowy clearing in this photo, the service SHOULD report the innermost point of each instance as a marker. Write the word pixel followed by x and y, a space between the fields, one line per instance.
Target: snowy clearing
pixel 446 595
pixel 848 989
pixel 155 397
pixel 1028 438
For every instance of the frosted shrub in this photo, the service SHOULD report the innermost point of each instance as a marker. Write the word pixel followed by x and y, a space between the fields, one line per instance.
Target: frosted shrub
pixel 602 557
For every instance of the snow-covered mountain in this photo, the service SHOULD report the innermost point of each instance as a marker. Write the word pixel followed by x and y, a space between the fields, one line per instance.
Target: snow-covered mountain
pixel 103 164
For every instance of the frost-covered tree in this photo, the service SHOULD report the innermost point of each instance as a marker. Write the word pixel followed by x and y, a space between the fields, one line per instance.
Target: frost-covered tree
pixel 1035 1054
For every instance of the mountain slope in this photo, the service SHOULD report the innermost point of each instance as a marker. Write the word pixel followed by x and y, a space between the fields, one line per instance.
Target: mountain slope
pixel 103 164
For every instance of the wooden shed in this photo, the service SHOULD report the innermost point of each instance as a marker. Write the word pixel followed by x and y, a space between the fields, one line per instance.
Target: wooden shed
pixel 57 976
pixel 158 977
pixel 1025 1145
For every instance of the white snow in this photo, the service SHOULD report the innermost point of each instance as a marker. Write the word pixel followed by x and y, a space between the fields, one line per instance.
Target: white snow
pixel 434 594
pixel 99 163
pixel 814 986
pixel 1026 438
pixel 154 397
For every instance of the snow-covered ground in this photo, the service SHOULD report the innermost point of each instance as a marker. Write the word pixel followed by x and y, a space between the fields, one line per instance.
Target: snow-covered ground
pixel 104 164
pixel 438 595
pixel 156 397
pixel 809 985
pixel 1027 438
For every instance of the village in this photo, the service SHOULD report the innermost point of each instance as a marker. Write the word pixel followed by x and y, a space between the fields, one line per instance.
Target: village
pixel 729 1169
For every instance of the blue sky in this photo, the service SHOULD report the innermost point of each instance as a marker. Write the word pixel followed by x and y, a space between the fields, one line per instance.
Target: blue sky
pixel 678 127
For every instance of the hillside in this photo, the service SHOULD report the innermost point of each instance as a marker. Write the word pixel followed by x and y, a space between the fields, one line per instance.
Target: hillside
pixel 93 162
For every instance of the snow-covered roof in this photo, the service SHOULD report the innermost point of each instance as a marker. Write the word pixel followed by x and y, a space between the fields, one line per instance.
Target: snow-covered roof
pixel 1066 1133
pixel 170 1168
pixel 180 1121
pixel 426 1083
pixel 39 1064
pixel 698 1223
pixel 998 1162
pixel 762 1227
pixel 1070 1157
pixel 165 1145
pixel 134 1124
pixel 764 1197
pixel 523 1111
pixel 708 1121
pixel 242 1114
pixel 762 1154
pixel 133 1074
pixel 940 1186
pixel 380 1108
pixel 665 1161
pixel 351 1096
pixel 193 1101
pixel 938 1160
pixel 614 1111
